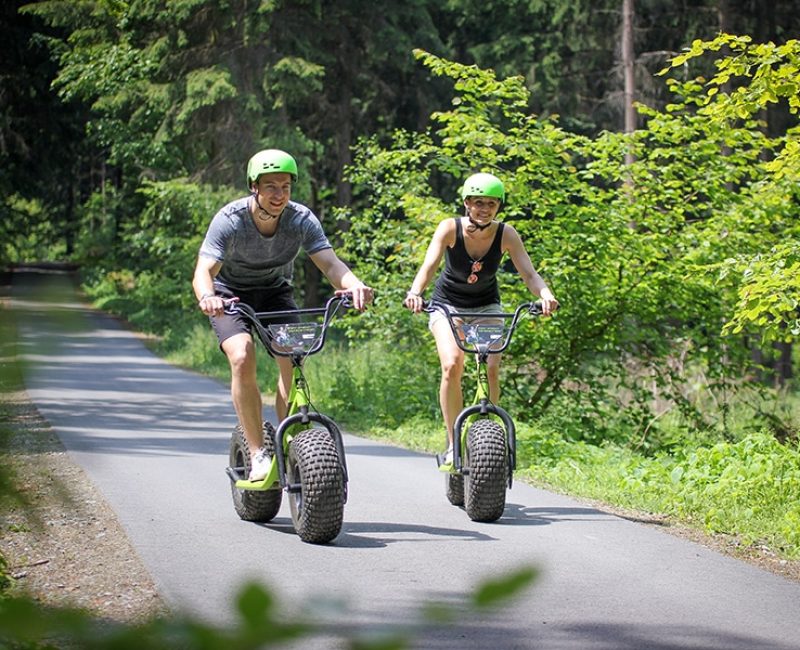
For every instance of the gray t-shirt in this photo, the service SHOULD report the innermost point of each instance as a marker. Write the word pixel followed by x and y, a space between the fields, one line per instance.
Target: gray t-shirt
pixel 251 260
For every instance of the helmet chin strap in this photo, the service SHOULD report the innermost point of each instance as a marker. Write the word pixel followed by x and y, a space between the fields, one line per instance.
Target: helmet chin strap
pixel 260 207
pixel 475 224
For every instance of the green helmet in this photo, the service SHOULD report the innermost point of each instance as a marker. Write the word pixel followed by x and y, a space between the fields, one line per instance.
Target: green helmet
pixel 270 161
pixel 483 185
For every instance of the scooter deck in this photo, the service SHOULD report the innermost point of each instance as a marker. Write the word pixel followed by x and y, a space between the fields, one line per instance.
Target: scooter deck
pixel 259 486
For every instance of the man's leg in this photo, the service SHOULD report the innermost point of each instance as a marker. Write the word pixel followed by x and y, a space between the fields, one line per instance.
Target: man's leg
pixel 240 351
pixel 284 385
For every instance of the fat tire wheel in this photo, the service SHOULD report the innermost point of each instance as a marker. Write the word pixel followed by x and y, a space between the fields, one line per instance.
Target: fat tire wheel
pixel 253 505
pixel 318 507
pixel 487 460
pixel 454 488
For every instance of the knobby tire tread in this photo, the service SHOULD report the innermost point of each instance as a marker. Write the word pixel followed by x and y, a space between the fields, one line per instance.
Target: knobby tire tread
pixel 253 505
pixel 318 509
pixel 454 489
pixel 487 460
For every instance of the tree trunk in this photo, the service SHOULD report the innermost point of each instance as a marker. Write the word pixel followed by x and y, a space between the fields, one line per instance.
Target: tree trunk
pixel 783 364
pixel 628 60
pixel 724 16
pixel 311 274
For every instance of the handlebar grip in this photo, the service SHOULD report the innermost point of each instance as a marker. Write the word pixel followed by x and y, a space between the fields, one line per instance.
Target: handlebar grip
pixel 536 308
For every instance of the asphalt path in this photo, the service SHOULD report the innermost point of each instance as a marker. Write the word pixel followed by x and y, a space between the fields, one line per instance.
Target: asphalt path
pixel 154 439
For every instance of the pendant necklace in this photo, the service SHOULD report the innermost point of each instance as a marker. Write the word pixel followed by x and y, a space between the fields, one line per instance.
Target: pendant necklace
pixel 476 265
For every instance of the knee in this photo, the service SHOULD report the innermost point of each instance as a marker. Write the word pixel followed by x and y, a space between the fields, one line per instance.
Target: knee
pixel 242 359
pixel 452 368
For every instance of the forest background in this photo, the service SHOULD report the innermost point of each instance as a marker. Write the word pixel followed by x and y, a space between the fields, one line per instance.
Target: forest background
pixel 670 234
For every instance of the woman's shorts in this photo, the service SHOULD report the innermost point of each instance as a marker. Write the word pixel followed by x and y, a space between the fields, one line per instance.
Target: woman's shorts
pixel 494 308
pixel 260 300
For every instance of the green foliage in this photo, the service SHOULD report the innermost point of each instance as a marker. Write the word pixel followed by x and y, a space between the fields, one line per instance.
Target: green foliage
pixel 158 74
pixel 769 293
pixel 149 282
pixel 191 88
pixel 369 384
pixel 260 623
pixel 559 47
pixel 24 621
pixel 748 80
pixel 494 592
pixel 27 231
pixel 633 252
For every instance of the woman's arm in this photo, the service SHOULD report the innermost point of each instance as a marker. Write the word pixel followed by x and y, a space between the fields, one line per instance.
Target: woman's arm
pixel 512 243
pixel 443 237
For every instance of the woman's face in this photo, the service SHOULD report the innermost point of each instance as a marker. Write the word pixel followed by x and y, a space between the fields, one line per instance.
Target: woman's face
pixel 482 209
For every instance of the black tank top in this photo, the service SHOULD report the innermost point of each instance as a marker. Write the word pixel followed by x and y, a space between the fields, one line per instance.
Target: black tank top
pixel 453 287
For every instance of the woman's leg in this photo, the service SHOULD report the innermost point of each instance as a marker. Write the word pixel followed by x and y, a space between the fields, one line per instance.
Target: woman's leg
pixel 451 358
pixel 493 374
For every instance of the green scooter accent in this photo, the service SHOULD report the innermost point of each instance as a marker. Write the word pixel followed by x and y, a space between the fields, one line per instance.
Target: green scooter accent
pixel 269 482
pixel 308 457
pixel 489 333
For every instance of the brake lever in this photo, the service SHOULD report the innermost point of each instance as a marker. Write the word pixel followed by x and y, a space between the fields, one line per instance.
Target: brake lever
pixel 230 307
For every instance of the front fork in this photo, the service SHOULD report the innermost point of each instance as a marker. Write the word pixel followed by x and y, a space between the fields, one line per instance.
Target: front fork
pixel 482 407
pixel 301 421
pixel 300 417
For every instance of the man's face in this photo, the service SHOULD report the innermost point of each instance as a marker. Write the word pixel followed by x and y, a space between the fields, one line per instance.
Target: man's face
pixel 274 191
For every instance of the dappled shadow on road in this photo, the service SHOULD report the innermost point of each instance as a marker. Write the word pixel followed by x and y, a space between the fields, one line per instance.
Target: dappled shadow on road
pixel 591 637
pixel 518 515
pixel 458 635
pixel 104 392
pixel 658 637
pixel 377 534
pixel 385 451
pixel 100 423
pixel 503 631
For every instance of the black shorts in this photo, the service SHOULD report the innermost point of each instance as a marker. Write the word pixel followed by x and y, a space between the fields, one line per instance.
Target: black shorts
pixel 260 300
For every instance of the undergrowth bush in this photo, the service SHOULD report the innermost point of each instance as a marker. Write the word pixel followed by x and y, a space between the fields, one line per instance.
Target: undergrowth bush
pixel 370 384
pixel 749 489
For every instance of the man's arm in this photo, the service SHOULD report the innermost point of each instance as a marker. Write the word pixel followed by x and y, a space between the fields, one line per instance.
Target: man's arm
pixel 341 277
pixel 205 271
